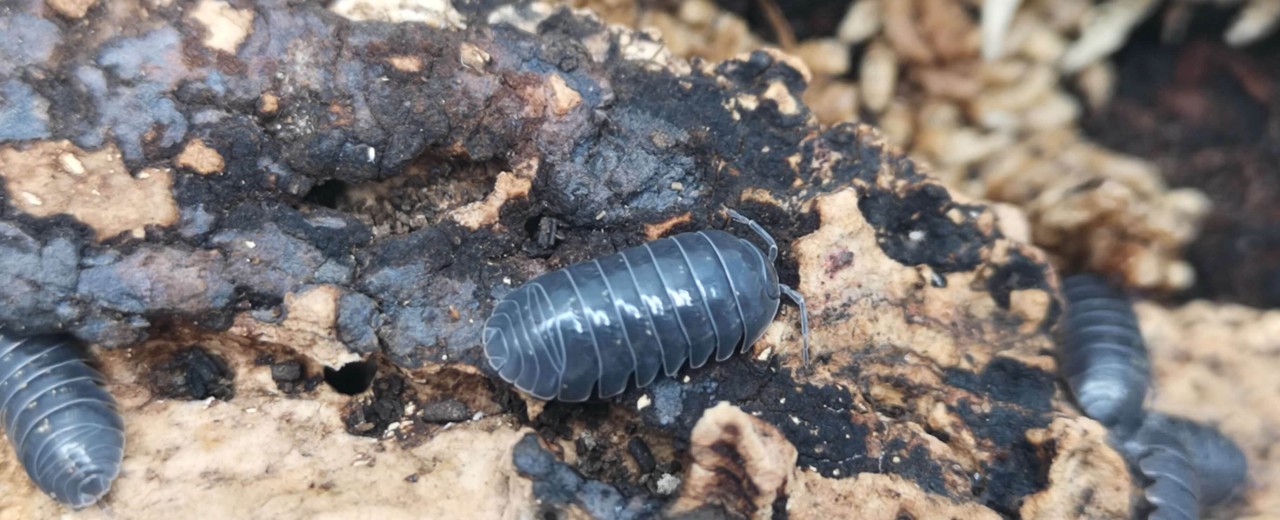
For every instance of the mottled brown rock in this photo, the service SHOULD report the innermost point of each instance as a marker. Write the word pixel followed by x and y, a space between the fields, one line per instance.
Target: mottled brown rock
pixel 200 158
pixel 225 26
pixel 1216 363
pixel 740 463
pixel 485 213
pixel 1087 477
pixel 95 187
pixel 874 497
pixel 309 318
pixel 71 8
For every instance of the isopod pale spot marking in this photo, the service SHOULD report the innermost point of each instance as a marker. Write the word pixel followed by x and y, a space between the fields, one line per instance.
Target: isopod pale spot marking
pixel 596 327
pixel 64 427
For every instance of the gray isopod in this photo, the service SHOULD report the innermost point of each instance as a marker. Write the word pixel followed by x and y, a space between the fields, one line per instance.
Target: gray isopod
pixel 64 426
pixel 601 324
pixel 1103 357
pixel 1189 466
pixel 1173 486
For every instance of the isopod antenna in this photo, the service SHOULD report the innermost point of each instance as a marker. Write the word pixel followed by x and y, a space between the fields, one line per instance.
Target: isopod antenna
pixel 795 296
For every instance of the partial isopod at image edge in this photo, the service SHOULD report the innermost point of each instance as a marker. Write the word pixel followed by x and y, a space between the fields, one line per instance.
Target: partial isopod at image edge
pixel 598 327
pixel 65 427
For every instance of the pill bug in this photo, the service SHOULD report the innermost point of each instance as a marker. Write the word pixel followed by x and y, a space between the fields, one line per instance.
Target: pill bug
pixel 1215 463
pixel 1102 354
pixel 64 426
pixel 595 327
pixel 1173 487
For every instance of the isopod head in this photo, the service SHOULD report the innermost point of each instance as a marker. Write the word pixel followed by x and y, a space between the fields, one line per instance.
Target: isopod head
pixel 760 280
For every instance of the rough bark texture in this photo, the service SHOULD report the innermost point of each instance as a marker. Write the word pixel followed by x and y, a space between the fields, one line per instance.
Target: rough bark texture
pixel 363 189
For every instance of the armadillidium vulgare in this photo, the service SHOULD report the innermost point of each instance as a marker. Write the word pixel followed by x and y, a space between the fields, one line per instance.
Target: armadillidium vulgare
pixel 1172 485
pixel 1103 357
pixel 64 426
pixel 1216 465
pixel 602 324
pixel 1185 466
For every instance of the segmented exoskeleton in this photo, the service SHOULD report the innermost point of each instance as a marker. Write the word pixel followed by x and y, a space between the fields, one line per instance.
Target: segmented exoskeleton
pixel 1189 466
pixel 1186 466
pixel 600 324
pixel 1102 355
pixel 63 424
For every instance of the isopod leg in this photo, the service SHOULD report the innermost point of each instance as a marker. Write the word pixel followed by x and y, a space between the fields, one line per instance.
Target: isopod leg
pixel 764 235
pixel 804 318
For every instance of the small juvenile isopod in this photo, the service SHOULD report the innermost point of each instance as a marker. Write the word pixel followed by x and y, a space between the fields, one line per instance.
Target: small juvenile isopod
pixel 1103 357
pixel 64 426
pixel 597 326
pixel 1189 466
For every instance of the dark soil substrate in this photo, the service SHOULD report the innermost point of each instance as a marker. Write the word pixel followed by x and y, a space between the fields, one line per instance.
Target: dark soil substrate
pixel 1207 115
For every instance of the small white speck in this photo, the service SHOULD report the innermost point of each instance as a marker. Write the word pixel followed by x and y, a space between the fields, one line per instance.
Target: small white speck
pixel 144 175
pixel 506 280
pixel 765 149
pixel 764 354
pixel 371 154
pixel 71 164
pixel 686 379
pixel 643 402
pixel 794 419
pixel 782 401
pixel 915 235
pixel 394 426
pixel 444 357
pixel 835 472
pixel 897 459
pixel 477 416
pixel 600 216
pixel 250 244
pixel 677 186
pixel 250 410
pixel 667 484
